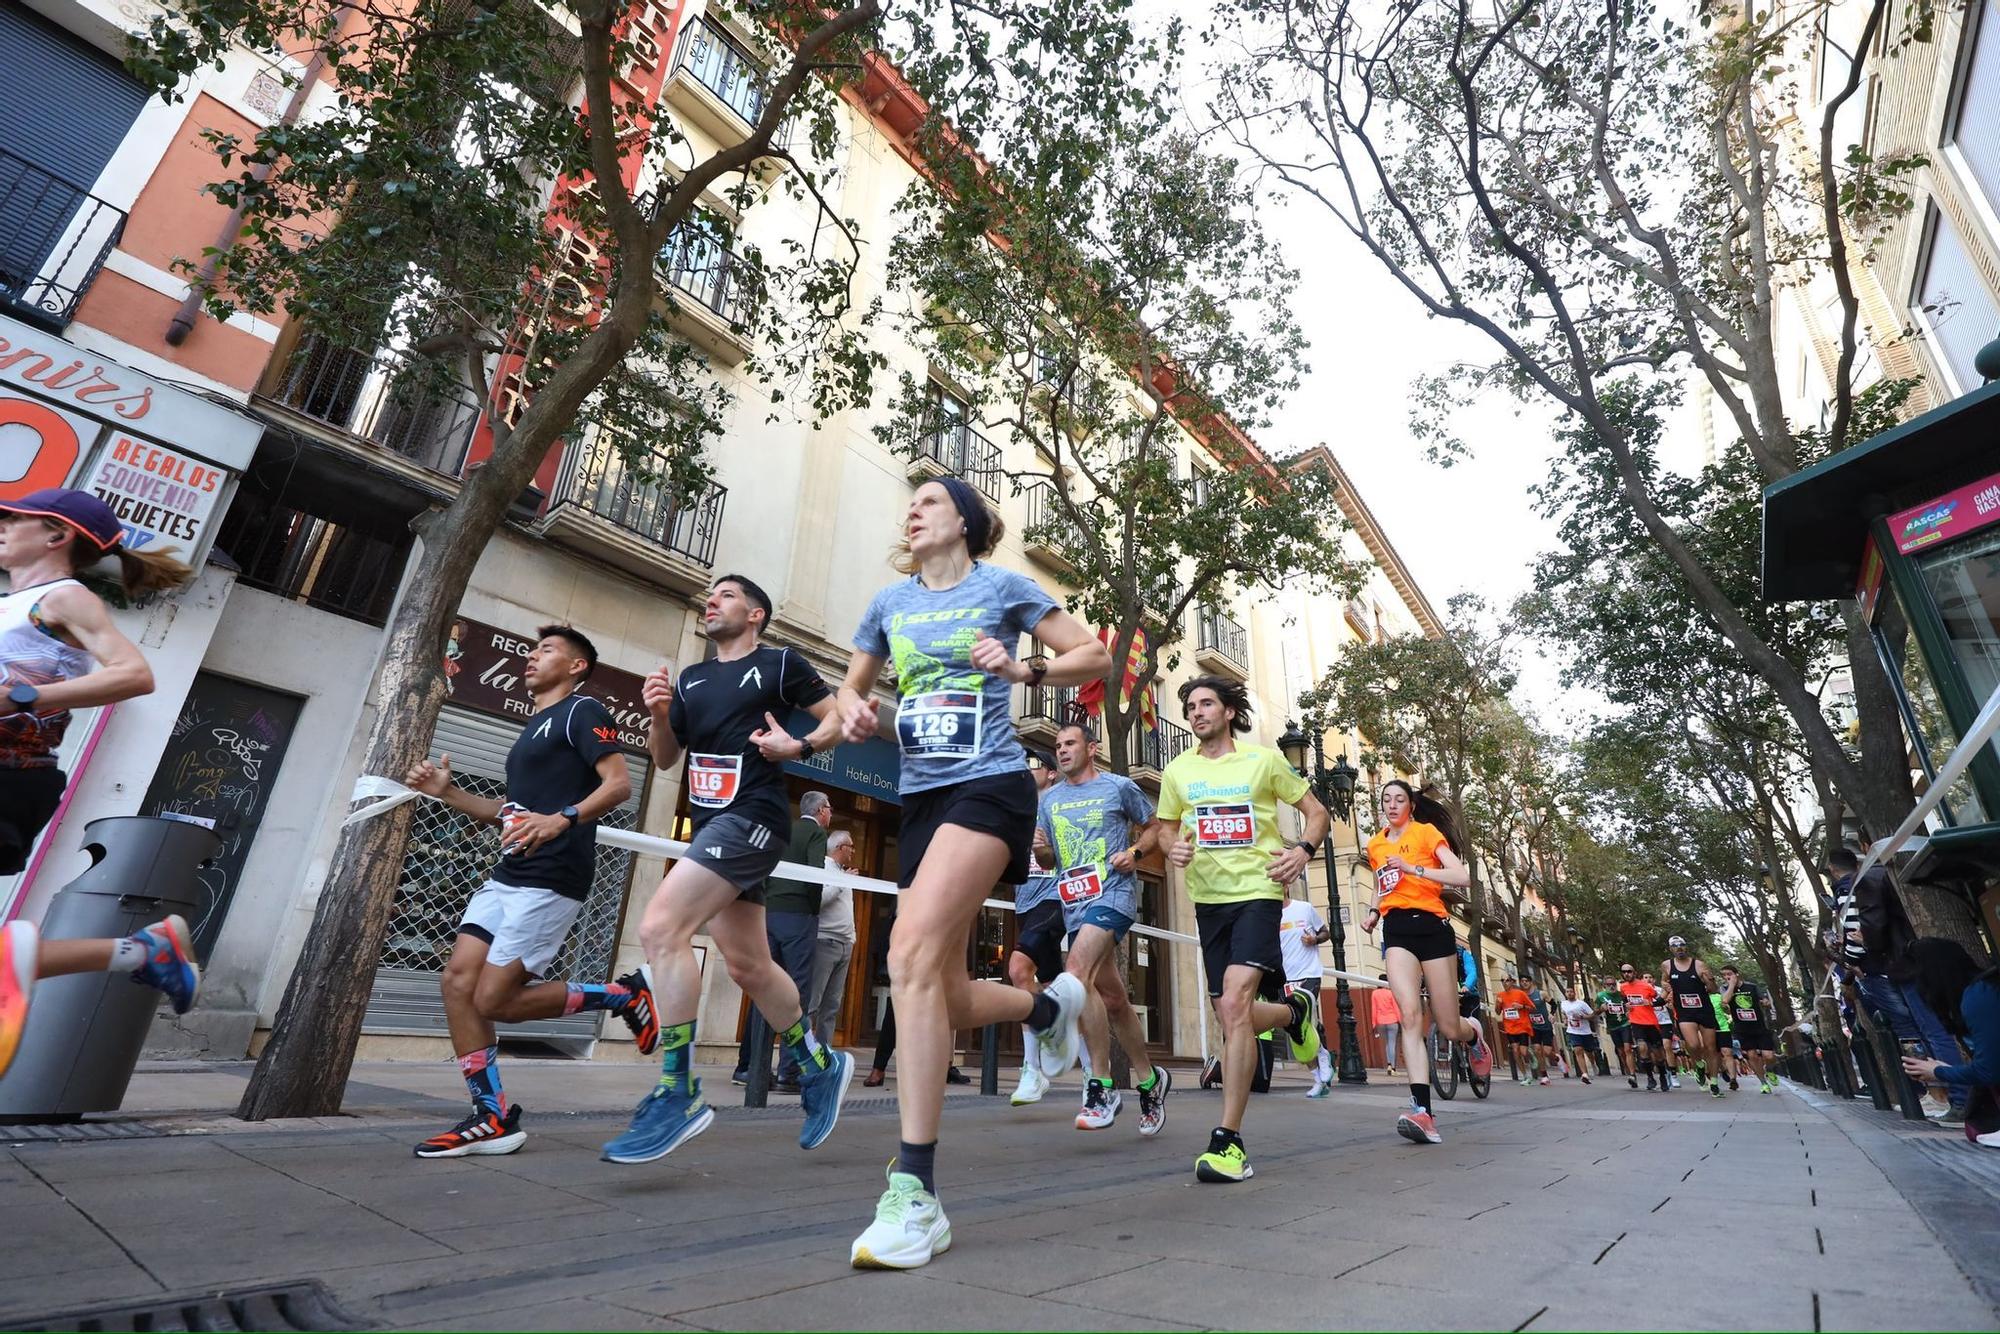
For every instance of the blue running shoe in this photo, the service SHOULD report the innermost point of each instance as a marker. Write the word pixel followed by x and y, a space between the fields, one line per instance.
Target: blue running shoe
pixel 169 965
pixel 821 1092
pixel 666 1119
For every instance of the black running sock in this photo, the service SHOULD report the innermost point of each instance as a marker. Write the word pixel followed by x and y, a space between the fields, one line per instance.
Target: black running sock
pixel 1043 1012
pixel 920 1161
pixel 1421 1095
pixel 1222 1137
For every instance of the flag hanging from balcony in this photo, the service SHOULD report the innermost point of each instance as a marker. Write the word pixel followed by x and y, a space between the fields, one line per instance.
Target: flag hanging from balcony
pixel 1091 694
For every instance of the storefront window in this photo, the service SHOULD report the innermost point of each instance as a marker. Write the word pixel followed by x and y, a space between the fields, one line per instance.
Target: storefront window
pixel 1935 734
pixel 1964 583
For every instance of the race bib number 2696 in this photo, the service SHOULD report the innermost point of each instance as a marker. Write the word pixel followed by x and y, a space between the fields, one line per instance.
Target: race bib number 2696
pixel 1225 826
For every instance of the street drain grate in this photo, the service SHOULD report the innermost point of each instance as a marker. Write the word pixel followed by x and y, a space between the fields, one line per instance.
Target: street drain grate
pixel 283 1306
pixel 64 1132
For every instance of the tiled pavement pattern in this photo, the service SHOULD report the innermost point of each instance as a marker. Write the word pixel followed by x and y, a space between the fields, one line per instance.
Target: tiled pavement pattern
pixel 1546 1209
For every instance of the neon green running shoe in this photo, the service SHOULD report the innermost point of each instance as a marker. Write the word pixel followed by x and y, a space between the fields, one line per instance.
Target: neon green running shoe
pixel 1304 1035
pixel 1223 1162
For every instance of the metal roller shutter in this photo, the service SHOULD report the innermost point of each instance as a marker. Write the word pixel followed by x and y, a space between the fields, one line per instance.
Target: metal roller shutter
pixel 67 106
pixel 448 858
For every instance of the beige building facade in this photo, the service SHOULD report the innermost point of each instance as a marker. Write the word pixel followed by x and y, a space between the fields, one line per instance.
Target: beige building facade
pixel 314 546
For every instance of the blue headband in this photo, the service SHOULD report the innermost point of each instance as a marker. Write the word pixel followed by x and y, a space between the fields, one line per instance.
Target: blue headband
pixel 978 520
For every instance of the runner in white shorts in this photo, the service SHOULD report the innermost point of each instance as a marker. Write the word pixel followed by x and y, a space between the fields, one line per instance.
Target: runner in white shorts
pixel 563 773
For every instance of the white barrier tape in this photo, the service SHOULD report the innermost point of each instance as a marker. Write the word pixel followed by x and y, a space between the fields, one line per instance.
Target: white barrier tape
pixel 385 794
pixel 1983 730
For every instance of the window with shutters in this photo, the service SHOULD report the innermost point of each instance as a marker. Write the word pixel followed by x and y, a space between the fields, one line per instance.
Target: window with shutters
pixel 1972 145
pixel 1958 313
pixel 67 107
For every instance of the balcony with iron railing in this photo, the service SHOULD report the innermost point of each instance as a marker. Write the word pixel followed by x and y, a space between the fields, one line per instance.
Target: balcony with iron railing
pixel 54 239
pixel 1157 597
pixel 951 448
pixel 415 409
pixel 1221 645
pixel 616 505
pixel 716 291
pixel 1039 540
pixel 1149 750
pixel 1042 712
pixel 720 85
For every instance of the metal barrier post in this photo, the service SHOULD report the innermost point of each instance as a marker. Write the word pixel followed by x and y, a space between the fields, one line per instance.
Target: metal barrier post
pixel 756 1090
pixel 989 1061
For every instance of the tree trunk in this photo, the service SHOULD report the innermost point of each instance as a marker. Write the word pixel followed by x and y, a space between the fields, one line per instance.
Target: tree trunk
pixel 304 1067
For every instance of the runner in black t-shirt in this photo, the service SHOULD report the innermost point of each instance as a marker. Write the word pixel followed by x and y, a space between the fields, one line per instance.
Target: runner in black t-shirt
pixel 723 717
pixel 564 772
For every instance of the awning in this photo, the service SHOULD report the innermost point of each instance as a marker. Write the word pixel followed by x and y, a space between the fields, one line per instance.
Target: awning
pixel 1815 521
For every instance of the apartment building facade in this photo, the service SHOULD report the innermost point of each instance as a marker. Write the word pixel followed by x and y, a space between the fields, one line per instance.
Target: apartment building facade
pixel 276 644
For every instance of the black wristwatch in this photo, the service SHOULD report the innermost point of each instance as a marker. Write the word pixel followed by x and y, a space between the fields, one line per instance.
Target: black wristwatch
pixel 1310 848
pixel 569 813
pixel 805 748
pixel 24 698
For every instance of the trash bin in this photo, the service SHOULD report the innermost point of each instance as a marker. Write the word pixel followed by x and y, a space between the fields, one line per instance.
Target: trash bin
pixel 85 1030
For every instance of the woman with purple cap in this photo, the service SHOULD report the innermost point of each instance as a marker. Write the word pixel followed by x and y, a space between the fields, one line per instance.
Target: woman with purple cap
pixel 951 629
pixel 52 631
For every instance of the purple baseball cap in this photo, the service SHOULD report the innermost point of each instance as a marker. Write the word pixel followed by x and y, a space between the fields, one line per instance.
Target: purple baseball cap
pixel 80 510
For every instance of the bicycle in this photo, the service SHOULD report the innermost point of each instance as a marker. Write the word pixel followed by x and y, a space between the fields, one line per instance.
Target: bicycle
pixel 1451 1065
pixel 1451 1062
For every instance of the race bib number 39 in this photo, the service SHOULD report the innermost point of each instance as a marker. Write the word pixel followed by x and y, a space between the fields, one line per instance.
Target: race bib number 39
pixel 943 724
pixel 1691 1002
pixel 1079 884
pixel 713 780
pixel 1231 826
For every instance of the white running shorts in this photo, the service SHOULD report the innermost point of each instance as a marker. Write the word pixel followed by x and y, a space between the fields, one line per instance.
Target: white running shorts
pixel 517 923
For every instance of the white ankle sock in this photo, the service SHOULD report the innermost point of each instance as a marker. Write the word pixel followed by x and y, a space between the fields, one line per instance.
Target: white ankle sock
pixel 127 954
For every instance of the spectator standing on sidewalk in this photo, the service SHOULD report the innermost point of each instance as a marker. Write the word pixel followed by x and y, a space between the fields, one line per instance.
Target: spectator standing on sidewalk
pixel 1881 963
pixel 1965 996
pixel 791 924
pixel 1388 1022
pixel 836 940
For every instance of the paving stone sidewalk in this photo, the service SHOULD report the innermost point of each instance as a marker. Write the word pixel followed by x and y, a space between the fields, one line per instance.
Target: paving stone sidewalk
pixel 1547 1208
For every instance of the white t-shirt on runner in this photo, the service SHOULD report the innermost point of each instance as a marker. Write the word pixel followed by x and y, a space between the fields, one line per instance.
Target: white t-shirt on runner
pixel 1301 960
pixel 1576 1017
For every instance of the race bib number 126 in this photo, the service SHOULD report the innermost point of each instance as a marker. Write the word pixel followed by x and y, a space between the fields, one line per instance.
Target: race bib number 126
pixel 943 724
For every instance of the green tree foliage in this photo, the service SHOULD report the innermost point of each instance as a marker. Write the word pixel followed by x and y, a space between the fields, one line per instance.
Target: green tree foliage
pixel 476 190
pixel 1095 286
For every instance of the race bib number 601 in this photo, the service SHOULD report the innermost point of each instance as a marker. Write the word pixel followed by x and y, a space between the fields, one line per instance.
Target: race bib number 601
pixel 1225 826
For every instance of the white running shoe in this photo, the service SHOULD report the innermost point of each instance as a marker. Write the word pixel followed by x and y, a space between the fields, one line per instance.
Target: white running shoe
pixel 1676 1079
pixel 1100 1107
pixel 1031 1088
pixel 909 1227
pixel 1057 1045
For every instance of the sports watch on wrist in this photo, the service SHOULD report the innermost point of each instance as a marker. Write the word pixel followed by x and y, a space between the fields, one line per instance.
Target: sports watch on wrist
pixel 1310 847
pixel 23 698
pixel 805 748
pixel 569 813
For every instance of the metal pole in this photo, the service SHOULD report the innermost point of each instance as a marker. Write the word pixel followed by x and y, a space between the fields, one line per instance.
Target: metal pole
pixel 757 1087
pixel 1349 1068
pixel 989 1062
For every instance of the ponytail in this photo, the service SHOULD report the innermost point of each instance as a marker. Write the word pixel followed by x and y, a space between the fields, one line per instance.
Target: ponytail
pixel 1427 809
pixel 147 572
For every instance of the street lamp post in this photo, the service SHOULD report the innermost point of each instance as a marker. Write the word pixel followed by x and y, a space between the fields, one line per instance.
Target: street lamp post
pixel 1335 788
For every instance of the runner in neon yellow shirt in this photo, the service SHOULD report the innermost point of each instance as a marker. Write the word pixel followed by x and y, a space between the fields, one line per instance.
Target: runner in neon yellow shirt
pixel 1219 803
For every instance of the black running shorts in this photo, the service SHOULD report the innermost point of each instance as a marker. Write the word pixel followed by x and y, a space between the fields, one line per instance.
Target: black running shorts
pixel 1002 805
pixel 1753 1037
pixel 1620 1036
pixel 1423 934
pixel 1243 932
pixel 1040 938
pixel 28 799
